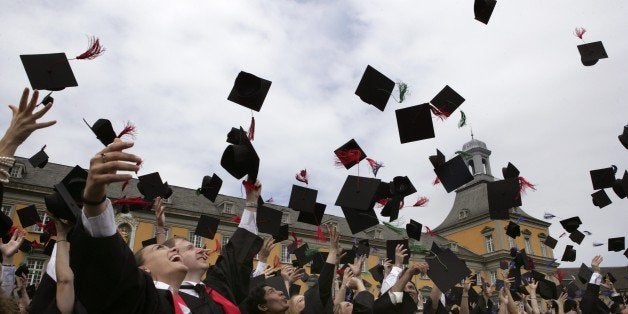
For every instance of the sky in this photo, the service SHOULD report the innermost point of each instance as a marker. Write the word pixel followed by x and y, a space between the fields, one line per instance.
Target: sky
pixel 169 67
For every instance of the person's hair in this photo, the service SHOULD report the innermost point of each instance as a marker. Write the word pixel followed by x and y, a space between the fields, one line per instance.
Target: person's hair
pixel 139 257
pixel 256 297
pixel 173 241
pixel 415 287
pixel 8 305
pixel 569 305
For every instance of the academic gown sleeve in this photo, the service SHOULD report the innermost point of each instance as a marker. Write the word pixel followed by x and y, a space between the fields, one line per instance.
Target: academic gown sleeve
pixel 107 280
pixel 428 309
pixel 363 303
pixel 231 274
pixel 385 305
pixel 318 297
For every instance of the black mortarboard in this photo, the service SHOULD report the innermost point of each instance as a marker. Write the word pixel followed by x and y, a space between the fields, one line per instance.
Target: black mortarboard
pixel 363 248
pixel 447 100
pixel 616 244
pixel 413 230
pixel 392 207
pixel 150 241
pixel 455 294
pixel 611 278
pixel 571 224
pixel 278 283
pixel 21 270
pixel 64 203
pixel 40 159
pixel 349 256
pixel 623 138
pixel 350 154
pixel 437 160
pixel 50 245
pixel 210 187
pixel 301 256
pixel 483 10
pixel 103 130
pixel 446 269
pixel 49 71
pixel 600 199
pixel 503 194
pixel 521 259
pixel 375 88
pixel 551 242
pixel 268 219
pixel 547 290
pixel 513 230
pixel 358 193
pixel 26 246
pixel 510 171
pixel 603 178
pixel 282 233
pixel 569 255
pixel 28 216
pixel 5 223
pixel 314 218
pixel 377 272
pixel 590 53
pixel 576 236
pixel 240 158
pixel 415 123
pixel 454 174
pixel 318 261
pixel 620 187
pixel 207 226
pixel 537 275
pixel 151 186
pixel 249 90
pixel 504 264
pixel 360 220
pixel 401 186
pixel 584 273
pixel 391 245
pixel 44 237
pixel 302 199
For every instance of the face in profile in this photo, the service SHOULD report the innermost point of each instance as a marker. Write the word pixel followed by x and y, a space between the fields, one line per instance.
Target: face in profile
pixel 276 301
pixel 162 262
pixel 193 258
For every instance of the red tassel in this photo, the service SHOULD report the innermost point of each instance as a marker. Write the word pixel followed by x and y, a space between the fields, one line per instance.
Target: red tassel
pixel 93 51
pixel 580 32
pixel 375 165
pixel 36 245
pixel 524 185
pixel 251 134
pixel 436 181
pixel 248 185
pixel 382 202
pixel 320 235
pixel 218 246
pixel 124 184
pixel 348 156
pixel 48 227
pixel 12 231
pixel 439 113
pixel 302 176
pixel 560 274
pixel 421 201
pixel 132 201
pixel 296 240
pixel 429 231
pixel 129 129
pixel 237 219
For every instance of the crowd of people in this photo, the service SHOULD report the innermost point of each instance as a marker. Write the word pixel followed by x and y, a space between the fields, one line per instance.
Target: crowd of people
pixel 93 270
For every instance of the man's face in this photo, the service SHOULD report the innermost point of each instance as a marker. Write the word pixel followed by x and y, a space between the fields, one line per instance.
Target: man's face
pixel 194 258
pixel 163 261
pixel 276 302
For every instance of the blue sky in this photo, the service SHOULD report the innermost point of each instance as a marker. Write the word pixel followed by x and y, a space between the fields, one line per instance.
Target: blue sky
pixel 169 67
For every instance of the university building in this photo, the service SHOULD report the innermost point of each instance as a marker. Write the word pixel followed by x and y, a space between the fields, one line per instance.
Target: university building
pixel 467 229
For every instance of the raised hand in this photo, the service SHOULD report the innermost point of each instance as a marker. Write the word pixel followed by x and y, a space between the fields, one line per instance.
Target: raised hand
pixel 253 193
pixel 267 247
pixel 8 249
pixel 531 286
pixel 356 267
pixel 400 254
pixel 595 263
pixel 159 209
pixel 334 244
pixel 467 283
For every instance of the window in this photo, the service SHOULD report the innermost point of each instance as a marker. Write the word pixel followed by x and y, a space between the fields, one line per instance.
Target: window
pixel 492 276
pixel 225 239
pixel 453 246
pixel 196 240
pixel 7 209
pixel 543 250
pixel 17 170
pixel 44 218
pixel 528 246
pixel 285 255
pixel 35 269
pixel 464 213
pixel 167 200
pixel 511 242
pixel 285 218
pixel 488 241
pixel 227 208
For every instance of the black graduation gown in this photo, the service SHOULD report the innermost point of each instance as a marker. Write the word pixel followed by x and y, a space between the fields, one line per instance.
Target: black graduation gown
pixel 44 299
pixel 363 303
pixel 483 307
pixel 384 305
pixel 107 280
pixel 198 306
pixel 318 297
pixel 231 275
pixel 591 302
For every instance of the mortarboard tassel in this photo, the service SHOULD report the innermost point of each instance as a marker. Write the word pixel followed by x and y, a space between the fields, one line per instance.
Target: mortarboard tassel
pixel 587 232
pixel 403 90
pixel 301 176
pixel 548 216
pixel 320 235
pixel 248 185
pixel 524 185
pixel 311 251
pixel 129 129
pixel 270 201
pixel 93 51
pixel 439 113
pixel 550 263
pixel 348 156
pixel 579 32
pixel 396 229
pixel 436 181
pixel 251 133
pixel 463 153
pixel 375 165
pixel 421 202
pixel 133 201
pixel 236 219
pixel 560 274
pixel 562 235
pixel 381 203
pixel 296 240
pixel 596 244
pixel 520 219
pixel 36 245
pixel 463 119
pixel 429 231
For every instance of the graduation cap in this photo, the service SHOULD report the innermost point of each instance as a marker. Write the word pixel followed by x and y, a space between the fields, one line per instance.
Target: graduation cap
pixel 22 270
pixel 576 236
pixel 392 207
pixel 401 186
pixel 446 269
pixel 603 178
pixel 50 71
pixel 590 53
pixel 318 261
pixel 413 230
pixel 454 173
pixel 391 245
pixel 521 259
pixel 40 159
pixel 569 255
pixel 151 186
pixel 150 241
pixel 437 160
pixel 551 242
pixel 536 275
pixel 584 273
pixel 623 138
pixel 571 224
pixel 314 218
pixel 358 193
pixel 547 289
pixel 620 187
pixel 240 158
pixel 302 199
pixel 600 199
pixel 362 248
pixel 28 216
pixel 282 233
pixel 50 244
pixel 64 202
pixel 611 278
pixel 249 91
pixel 210 187
pixel 377 272
pixel 513 230
pixel 510 171
pixel 301 257
pixel 349 256
pixel 415 123
pixel 268 219
pixel 207 226
pixel 483 9
pixel 103 130
pixel 278 283
pixel 26 246
pixel 503 195
pixel 447 101
pixel 349 154
pixel 360 220
pixel 375 88
pixel 616 244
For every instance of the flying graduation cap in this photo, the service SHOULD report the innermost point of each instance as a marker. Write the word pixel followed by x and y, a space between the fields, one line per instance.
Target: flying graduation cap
pixel 40 159
pixel 240 158
pixel 210 187
pixel 151 186
pixel 375 88
pixel 453 173
pixel 483 9
pixel 623 138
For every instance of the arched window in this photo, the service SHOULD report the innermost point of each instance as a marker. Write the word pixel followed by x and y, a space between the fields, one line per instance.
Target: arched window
pixel 464 213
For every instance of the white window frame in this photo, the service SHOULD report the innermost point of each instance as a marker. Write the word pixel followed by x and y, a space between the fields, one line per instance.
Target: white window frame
pixel 285 218
pixel 528 245
pixel 227 208
pixel 7 210
pixel 35 269
pixel 543 250
pixel 197 241
pixel 44 218
pixel 492 276
pixel 17 171
pixel 285 255
pixel 224 240
pixel 489 243
pixel 511 242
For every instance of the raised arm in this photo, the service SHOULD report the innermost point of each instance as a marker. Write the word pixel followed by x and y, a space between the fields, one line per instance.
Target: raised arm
pixel 531 288
pixel 160 220
pixel 393 275
pixel 262 256
pixel 8 269
pixel 464 303
pixel 65 276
